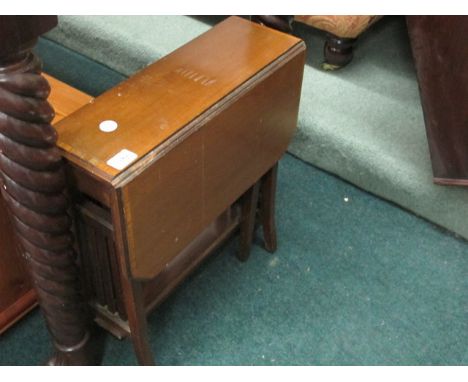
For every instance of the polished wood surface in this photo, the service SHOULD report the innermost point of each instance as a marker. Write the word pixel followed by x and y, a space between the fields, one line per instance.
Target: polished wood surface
pixel 14 312
pixel 211 168
pixel 65 99
pixel 338 51
pixel 440 50
pixel 158 101
pixel 15 31
pixel 34 187
pixel 216 234
pixel 215 115
pixel 17 297
pixel 206 123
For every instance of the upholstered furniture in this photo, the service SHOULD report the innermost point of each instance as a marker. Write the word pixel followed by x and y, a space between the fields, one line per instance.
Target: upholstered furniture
pixel 342 33
pixel 341 37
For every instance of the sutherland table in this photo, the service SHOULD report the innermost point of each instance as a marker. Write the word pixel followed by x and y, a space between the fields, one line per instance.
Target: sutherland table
pixel 188 156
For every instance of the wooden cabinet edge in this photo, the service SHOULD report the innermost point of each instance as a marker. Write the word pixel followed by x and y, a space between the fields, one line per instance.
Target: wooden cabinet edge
pixel 17 310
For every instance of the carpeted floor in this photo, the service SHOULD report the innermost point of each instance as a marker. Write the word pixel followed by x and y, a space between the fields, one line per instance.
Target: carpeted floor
pixel 363 123
pixel 355 281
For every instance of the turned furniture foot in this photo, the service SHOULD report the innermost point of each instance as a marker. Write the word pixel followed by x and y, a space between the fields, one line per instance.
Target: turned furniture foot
pixel 267 208
pixel 34 186
pixel 338 51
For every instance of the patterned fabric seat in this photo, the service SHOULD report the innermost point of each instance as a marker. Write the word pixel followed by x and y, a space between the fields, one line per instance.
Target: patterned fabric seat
pixel 342 32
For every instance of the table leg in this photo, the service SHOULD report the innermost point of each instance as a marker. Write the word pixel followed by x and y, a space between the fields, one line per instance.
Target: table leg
pixel 267 208
pixel 247 225
pixel 137 320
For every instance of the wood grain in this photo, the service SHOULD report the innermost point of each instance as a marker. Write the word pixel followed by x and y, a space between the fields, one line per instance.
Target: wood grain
pixel 34 187
pixel 175 198
pixel 65 99
pixel 207 123
pixel 18 309
pixel 17 297
pixel 158 101
pixel 25 29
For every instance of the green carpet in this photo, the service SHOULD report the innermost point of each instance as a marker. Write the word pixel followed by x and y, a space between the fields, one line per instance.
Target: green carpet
pixel 363 123
pixel 355 281
pixel 360 282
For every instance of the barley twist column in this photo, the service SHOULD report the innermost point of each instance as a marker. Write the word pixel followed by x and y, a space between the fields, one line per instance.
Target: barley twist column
pixel 33 184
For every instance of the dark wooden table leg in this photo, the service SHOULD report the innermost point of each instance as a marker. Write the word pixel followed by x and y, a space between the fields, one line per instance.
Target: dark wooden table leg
pixel 247 225
pixel 268 182
pixel 136 312
pixel 267 208
pixel 33 184
pixel 132 290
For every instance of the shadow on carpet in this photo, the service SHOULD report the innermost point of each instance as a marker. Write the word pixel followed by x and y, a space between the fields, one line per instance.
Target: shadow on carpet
pixel 355 281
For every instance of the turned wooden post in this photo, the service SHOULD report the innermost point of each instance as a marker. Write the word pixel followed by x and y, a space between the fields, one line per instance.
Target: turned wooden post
pixel 338 51
pixel 33 184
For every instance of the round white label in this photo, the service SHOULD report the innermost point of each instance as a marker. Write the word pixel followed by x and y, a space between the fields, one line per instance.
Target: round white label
pixel 108 126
